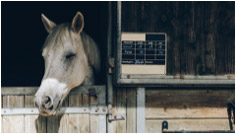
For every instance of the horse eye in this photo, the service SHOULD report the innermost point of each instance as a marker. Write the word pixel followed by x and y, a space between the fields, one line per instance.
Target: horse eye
pixel 70 56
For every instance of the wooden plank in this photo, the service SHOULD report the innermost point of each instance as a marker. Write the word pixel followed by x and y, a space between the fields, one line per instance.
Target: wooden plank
pixel 188 104
pixel 53 124
pixel 19 90
pixel 189 77
pixel 131 110
pixel 186 112
pixel 32 90
pixel 225 35
pixel 194 98
pixel 13 124
pixel 179 82
pixel 84 127
pixel 63 128
pixel 75 100
pixel 58 123
pixel 30 125
pixel 102 126
pixel 155 126
pixel 121 109
pixel 114 109
pixel 41 124
pixel 93 118
pixel 34 123
pixel 141 110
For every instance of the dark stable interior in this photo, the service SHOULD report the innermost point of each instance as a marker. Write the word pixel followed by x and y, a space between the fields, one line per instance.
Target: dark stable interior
pixel 23 35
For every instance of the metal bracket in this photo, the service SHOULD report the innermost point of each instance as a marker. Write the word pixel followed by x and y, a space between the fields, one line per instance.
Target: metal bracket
pixel 116 117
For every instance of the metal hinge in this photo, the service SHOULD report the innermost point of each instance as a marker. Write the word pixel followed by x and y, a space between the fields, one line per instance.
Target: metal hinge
pixel 111 65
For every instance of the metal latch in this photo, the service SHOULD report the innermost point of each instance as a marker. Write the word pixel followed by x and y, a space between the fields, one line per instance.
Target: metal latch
pixel 114 117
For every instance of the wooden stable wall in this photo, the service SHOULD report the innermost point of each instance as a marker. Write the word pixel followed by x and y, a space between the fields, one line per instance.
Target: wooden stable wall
pixel 200 42
pixel 201 35
pixel 184 109
pixel 78 123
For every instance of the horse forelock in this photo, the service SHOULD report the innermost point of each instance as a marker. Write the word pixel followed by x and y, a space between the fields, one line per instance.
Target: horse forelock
pixel 58 35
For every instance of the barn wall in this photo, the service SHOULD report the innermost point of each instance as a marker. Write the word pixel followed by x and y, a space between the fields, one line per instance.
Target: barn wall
pixel 201 35
pixel 184 109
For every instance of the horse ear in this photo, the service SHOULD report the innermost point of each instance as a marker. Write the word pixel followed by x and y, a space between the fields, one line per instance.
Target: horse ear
pixel 78 22
pixel 48 24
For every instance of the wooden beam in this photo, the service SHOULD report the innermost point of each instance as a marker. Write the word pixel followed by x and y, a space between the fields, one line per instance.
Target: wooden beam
pixel 140 110
pixel 33 90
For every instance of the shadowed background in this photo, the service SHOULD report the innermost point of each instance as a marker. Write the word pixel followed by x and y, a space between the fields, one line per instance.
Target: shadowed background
pixel 23 35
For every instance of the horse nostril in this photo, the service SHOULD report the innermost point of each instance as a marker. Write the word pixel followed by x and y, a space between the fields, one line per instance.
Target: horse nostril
pixel 35 104
pixel 47 103
pixel 51 107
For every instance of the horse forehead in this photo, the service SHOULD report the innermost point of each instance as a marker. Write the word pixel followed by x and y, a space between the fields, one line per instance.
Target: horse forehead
pixel 57 47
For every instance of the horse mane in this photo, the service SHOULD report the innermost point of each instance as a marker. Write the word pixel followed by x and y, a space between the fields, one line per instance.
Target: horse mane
pixel 62 31
pixel 92 51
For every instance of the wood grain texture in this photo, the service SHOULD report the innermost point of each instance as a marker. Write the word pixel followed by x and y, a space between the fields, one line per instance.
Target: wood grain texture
pixel 9 122
pixel 114 108
pixel 58 123
pixel 63 126
pixel 61 123
pixel 131 110
pixel 154 126
pixel 200 34
pixel 30 126
pixel 121 109
pixel 188 98
pixel 93 118
pixel 85 118
pixel 74 119
pixel 188 109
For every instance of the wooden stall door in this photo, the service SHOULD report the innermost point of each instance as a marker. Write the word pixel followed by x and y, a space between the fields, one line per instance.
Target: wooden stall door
pixel 65 123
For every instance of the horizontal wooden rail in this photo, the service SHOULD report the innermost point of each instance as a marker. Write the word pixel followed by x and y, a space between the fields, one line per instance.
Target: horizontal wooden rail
pixel 178 80
pixel 33 90
pixel 64 110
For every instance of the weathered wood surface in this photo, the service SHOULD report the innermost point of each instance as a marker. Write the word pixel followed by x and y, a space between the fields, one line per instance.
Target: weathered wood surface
pixel 121 109
pixel 154 126
pixel 131 110
pixel 93 118
pixel 188 103
pixel 124 103
pixel 196 110
pixel 201 35
pixel 73 123
pixel 13 124
pixel 199 109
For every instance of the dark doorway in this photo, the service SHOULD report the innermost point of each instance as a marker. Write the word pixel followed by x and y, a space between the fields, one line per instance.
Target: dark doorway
pixel 23 35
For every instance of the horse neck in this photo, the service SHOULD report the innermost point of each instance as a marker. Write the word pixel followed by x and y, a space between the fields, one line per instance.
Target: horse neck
pixel 91 50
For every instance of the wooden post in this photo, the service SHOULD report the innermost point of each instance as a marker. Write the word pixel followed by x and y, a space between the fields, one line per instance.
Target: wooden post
pixel 140 110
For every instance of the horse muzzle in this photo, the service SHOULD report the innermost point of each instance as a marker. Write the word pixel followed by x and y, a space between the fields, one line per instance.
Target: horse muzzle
pixel 47 105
